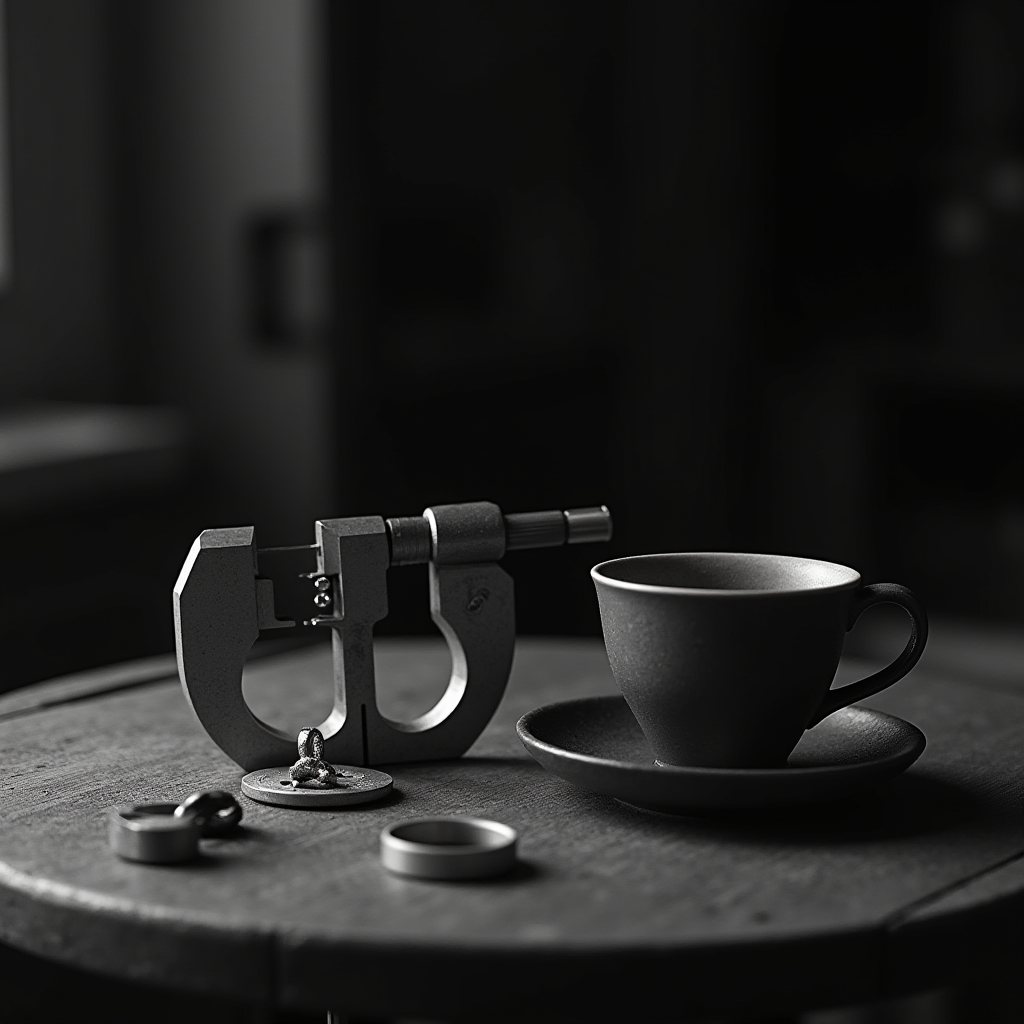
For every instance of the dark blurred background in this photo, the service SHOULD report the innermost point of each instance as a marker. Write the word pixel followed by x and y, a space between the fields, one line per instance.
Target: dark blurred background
pixel 747 272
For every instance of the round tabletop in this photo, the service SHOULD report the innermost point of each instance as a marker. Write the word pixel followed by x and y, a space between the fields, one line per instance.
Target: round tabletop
pixel 611 910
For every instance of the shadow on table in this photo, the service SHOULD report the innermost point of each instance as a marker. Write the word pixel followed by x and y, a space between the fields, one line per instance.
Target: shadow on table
pixel 915 805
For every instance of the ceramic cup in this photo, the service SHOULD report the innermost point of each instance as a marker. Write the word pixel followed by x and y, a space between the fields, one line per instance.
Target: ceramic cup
pixel 725 659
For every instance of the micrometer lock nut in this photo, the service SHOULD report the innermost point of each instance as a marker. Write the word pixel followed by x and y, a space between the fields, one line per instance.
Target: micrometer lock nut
pixel 410 539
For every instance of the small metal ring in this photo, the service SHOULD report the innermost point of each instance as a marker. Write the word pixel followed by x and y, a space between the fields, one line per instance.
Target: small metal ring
pixel 311 743
pixel 448 848
pixel 216 811
pixel 151 834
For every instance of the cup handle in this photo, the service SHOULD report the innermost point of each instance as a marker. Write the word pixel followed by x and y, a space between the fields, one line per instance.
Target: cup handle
pixel 872 594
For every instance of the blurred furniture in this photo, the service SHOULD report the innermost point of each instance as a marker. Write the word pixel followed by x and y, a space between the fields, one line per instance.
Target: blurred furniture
pixel 612 913
pixel 91 503
pixel 71 455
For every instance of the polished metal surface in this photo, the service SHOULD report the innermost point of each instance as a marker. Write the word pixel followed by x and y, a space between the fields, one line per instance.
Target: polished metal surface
pixel 216 811
pixel 588 525
pixel 448 848
pixel 352 785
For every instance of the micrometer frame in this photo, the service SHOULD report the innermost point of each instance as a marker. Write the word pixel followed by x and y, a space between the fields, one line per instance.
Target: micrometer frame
pixel 221 604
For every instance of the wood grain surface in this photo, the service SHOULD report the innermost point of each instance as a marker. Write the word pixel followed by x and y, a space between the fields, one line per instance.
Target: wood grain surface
pixel 611 910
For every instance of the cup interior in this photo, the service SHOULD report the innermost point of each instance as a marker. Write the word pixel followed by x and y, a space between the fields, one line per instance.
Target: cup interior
pixel 724 572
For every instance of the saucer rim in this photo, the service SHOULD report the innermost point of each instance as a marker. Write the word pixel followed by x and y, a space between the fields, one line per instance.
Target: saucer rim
pixel 528 739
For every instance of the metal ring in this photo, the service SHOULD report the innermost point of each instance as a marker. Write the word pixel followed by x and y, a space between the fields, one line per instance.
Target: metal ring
pixel 311 743
pixel 448 848
pixel 151 834
pixel 216 811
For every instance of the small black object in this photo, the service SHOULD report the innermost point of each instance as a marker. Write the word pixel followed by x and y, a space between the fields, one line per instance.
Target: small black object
pixel 216 811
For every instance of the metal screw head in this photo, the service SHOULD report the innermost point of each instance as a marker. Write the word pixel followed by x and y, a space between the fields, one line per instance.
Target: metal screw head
pixel 322 583
pixel 322 600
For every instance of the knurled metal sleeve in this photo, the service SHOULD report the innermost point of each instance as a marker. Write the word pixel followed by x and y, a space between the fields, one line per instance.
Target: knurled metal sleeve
pixel 535 530
pixel 409 538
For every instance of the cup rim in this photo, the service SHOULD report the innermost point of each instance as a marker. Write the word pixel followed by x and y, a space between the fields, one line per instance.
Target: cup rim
pixel 656 588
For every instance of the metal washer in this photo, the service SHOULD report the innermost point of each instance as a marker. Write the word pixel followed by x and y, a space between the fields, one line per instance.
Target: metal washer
pixel 448 848
pixel 359 786
pixel 151 834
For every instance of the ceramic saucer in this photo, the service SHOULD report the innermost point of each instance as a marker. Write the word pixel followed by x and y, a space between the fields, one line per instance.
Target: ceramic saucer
pixel 596 743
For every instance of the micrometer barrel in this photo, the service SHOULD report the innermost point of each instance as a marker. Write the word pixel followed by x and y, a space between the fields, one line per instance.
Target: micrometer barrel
pixel 412 542
pixel 553 529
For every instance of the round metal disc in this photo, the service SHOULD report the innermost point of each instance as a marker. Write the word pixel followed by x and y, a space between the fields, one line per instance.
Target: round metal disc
pixel 354 786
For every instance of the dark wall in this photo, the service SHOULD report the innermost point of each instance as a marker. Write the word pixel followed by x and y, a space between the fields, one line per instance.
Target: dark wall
pixel 895 363
pixel 56 314
pixel 548 220
pixel 744 271
pixel 145 140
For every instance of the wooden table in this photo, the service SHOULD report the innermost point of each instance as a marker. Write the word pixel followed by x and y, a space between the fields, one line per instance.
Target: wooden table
pixel 612 912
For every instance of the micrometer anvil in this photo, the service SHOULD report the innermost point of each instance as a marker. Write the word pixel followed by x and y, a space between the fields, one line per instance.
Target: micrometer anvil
pixel 221 602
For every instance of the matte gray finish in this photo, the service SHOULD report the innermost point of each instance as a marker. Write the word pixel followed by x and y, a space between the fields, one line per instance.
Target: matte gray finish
pixel 354 555
pixel 725 659
pixel 596 743
pixel 216 624
pixel 470 532
pixel 221 604
pixel 474 608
